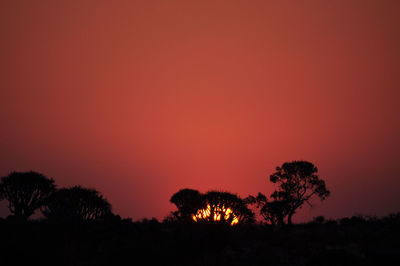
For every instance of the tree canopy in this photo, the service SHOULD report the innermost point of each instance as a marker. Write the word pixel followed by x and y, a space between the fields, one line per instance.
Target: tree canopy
pixel 76 204
pixel 25 192
pixel 213 206
pixel 273 212
pixel 187 201
pixel 297 183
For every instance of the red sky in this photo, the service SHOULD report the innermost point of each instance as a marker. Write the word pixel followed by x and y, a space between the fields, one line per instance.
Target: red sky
pixel 139 99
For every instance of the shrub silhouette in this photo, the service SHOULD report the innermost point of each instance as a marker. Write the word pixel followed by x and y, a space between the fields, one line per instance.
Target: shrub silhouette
pixel 25 192
pixel 273 212
pixel 298 182
pixel 76 204
pixel 319 219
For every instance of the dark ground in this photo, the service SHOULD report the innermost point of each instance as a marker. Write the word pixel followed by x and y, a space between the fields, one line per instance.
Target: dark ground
pixel 349 241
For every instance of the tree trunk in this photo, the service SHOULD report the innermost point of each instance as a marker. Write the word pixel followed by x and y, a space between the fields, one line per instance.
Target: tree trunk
pixel 289 220
pixel 280 221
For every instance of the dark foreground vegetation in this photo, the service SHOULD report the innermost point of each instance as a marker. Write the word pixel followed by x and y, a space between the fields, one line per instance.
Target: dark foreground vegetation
pixel 212 228
pixel 349 241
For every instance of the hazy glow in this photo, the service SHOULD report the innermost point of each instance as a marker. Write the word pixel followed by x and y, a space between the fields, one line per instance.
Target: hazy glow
pixel 139 99
pixel 215 213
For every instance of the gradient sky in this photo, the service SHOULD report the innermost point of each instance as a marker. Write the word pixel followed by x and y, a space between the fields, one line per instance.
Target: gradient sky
pixel 139 99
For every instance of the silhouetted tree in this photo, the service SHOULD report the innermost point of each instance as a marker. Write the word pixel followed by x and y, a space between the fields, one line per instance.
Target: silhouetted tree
pixel 222 200
pixel 187 201
pixel 76 204
pixel 298 182
pixel 275 212
pixel 272 211
pixel 25 192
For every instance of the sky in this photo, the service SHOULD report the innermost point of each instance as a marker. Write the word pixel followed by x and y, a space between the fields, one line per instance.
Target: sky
pixel 139 99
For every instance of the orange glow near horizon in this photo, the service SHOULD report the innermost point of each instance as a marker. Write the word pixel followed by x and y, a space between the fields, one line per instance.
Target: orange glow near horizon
pixel 215 213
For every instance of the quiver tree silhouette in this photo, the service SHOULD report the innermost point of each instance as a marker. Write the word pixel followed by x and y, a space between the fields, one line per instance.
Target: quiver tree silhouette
pixel 76 204
pixel 297 183
pixel 25 192
pixel 212 207
pixel 188 201
pixel 219 201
